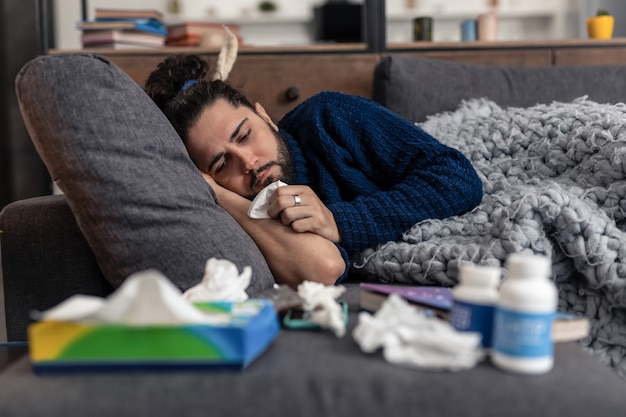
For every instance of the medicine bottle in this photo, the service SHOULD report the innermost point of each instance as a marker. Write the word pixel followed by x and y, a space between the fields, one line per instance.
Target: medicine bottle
pixel 475 299
pixel 522 340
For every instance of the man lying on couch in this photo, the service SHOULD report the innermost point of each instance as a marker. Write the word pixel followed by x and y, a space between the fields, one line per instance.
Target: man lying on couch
pixel 359 174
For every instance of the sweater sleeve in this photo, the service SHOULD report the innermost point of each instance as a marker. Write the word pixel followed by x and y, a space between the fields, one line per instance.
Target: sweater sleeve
pixel 379 173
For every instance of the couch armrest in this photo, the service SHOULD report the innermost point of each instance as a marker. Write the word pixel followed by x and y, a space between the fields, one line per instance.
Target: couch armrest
pixel 45 259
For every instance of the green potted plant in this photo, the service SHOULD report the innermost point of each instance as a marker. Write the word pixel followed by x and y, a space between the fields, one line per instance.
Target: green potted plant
pixel 267 6
pixel 600 26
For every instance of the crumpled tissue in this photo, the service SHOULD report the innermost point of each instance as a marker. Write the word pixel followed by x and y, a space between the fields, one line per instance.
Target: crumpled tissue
pixel 321 307
pixel 221 282
pixel 258 207
pixel 410 337
pixel 145 298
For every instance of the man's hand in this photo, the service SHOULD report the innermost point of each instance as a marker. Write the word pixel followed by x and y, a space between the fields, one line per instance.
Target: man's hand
pixel 296 244
pixel 311 215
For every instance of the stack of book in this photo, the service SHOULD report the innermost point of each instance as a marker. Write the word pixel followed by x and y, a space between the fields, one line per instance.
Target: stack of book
pixel 117 28
pixel 204 34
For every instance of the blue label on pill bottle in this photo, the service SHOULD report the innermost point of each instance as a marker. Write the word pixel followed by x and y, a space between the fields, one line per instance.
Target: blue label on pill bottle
pixel 524 335
pixel 469 317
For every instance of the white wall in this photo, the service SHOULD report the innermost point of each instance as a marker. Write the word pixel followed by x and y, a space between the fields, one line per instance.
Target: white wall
pixel 238 8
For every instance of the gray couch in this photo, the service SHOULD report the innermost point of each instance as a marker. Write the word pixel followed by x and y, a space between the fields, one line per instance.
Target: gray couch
pixel 46 256
pixel 55 246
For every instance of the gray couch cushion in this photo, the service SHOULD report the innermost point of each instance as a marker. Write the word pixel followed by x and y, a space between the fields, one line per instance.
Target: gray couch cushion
pixel 417 87
pixel 137 197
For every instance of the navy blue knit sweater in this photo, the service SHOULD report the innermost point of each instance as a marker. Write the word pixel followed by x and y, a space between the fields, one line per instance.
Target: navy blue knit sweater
pixel 378 173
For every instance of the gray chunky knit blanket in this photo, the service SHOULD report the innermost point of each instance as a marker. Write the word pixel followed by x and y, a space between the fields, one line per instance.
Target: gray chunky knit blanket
pixel 554 184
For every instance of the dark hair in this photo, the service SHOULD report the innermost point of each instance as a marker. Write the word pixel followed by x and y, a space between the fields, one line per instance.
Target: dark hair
pixel 183 106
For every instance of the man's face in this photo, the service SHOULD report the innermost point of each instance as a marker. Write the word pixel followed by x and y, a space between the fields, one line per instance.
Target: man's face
pixel 241 149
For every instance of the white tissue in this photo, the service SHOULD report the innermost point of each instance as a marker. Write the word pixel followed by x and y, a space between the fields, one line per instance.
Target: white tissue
pixel 321 306
pixel 221 282
pixel 145 298
pixel 410 337
pixel 258 207
pixel 76 308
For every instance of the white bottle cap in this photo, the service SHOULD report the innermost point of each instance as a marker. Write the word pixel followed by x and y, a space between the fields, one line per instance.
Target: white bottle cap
pixel 479 275
pixel 525 265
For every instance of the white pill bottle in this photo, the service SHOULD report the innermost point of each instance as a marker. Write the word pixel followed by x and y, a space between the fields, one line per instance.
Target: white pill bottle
pixel 522 339
pixel 474 300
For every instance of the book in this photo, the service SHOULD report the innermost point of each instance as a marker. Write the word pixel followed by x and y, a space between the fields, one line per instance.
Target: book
pixel 144 25
pixel 192 28
pixel 184 42
pixel 105 14
pixel 569 327
pixel 104 38
pixel 437 299
pixel 119 45
pixel 192 33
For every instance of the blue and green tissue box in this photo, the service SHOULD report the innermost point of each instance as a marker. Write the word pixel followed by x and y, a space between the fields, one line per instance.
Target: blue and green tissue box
pixel 247 329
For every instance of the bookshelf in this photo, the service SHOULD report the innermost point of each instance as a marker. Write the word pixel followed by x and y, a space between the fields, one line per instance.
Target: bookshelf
pixel 374 24
pixel 392 18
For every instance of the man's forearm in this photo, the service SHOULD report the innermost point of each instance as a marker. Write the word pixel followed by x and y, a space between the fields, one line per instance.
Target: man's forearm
pixel 293 257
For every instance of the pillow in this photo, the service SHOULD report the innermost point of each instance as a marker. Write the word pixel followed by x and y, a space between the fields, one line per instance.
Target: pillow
pixel 137 197
pixel 417 87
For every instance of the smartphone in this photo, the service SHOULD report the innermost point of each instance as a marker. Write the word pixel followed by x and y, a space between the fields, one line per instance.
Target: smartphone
pixel 295 318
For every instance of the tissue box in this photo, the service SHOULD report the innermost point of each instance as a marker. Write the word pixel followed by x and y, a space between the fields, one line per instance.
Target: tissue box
pixel 240 332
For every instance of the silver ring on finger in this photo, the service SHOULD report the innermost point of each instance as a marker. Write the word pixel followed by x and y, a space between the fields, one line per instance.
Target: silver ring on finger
pixel 296 200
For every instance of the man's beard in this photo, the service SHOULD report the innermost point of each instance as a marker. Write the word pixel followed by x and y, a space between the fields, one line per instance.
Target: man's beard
pixel 284 161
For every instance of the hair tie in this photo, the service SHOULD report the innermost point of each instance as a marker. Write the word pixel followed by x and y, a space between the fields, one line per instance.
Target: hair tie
pixel 188 84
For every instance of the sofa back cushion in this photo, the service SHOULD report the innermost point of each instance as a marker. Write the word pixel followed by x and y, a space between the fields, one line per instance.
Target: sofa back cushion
pixel 417 87
pixel 136 195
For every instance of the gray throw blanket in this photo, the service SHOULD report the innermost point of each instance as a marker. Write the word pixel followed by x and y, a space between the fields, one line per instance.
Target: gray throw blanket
pixel 553 178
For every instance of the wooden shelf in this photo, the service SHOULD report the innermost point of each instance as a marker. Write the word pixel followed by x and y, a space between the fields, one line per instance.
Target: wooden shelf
pixel 399 47
pixel 268 73
pixel 451 16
